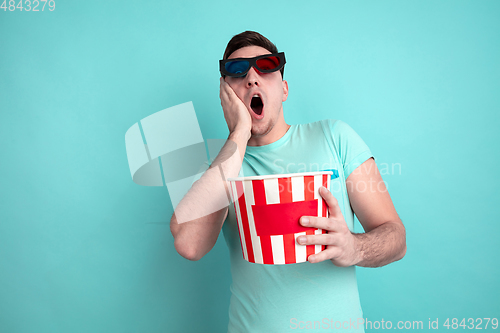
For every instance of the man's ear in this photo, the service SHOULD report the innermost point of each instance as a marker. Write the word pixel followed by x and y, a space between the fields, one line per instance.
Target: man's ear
pixel 285 90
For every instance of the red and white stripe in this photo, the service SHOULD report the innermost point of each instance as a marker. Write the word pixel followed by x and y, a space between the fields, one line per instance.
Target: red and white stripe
pixel 276 248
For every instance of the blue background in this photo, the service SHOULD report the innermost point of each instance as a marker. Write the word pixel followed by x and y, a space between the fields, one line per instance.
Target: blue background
pixel 84 249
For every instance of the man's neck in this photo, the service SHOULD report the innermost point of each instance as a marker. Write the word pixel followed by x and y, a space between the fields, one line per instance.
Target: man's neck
pixel 278 131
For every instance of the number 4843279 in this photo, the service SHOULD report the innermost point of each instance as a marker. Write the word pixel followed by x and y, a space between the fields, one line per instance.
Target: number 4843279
pixel 27 5
pixel 471 323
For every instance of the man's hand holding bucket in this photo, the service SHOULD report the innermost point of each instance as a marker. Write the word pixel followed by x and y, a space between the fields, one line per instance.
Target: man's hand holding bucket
pixel 384 240
pixel 342 248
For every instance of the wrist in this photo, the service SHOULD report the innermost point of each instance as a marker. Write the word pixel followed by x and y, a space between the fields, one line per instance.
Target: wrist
pixel 358 249
pixel 240 135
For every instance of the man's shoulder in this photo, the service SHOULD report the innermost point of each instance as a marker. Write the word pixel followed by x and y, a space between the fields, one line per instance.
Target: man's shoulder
pixel 320 129
pixel 328 120
pixel 335 130
pixel 326 123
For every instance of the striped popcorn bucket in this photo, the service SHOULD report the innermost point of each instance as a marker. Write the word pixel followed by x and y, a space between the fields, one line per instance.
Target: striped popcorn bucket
pixel 268 209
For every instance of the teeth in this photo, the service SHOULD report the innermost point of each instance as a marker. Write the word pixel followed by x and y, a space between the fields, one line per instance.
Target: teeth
pixel 255 96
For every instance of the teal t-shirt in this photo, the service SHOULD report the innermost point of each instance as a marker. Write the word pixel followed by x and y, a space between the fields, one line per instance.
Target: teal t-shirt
pixel 284 298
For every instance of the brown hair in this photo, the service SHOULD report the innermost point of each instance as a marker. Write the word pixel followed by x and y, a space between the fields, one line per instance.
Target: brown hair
pixel 250 38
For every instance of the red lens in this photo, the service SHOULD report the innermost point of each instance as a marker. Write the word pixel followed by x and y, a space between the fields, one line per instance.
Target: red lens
pixel 268 63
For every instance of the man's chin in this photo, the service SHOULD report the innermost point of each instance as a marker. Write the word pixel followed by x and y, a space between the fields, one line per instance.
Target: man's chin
pixel 259 132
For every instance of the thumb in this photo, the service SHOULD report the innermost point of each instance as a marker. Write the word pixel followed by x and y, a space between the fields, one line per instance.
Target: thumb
pixel 331 201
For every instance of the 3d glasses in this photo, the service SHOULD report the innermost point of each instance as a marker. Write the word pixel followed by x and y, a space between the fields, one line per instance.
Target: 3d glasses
pixel 239 67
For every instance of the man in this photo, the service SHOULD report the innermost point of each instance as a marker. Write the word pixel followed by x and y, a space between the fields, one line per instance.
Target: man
pixel 282 298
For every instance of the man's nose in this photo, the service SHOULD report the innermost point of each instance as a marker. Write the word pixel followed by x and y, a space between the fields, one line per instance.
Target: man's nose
pixel 252 77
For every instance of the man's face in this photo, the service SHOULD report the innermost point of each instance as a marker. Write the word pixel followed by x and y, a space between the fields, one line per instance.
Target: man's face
pixel 262 93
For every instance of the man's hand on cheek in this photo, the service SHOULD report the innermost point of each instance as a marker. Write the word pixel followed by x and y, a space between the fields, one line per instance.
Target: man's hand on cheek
pixel 235 112
pixel 341 245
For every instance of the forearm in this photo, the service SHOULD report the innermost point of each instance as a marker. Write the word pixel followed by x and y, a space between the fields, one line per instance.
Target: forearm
pixel 382 245
pixel 198 218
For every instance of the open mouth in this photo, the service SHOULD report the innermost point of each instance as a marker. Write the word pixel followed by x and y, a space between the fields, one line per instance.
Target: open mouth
pixel 257 105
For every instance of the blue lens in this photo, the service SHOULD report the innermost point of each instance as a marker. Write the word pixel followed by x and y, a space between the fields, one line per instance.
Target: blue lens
pixel 236 67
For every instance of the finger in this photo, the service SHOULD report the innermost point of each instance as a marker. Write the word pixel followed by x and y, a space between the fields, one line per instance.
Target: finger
pixel 221 85
pixel 331 252
pixel 223 90
pixel 315 222
pixel 326 223
pixel 331 201
pixel 232 97
pixel 331 238
pixel 228 92
pixel 228 89
pixel 321 239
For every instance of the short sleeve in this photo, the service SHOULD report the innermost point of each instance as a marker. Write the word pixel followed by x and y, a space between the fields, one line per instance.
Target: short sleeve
pixel 351 149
